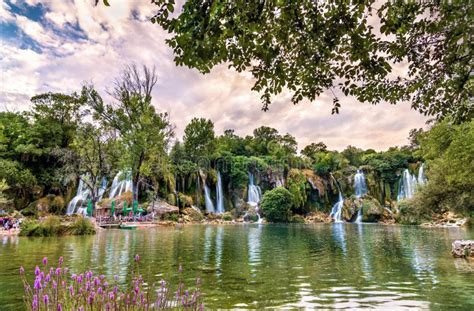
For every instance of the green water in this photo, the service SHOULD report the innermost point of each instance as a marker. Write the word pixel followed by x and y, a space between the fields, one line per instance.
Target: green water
pixel 251 266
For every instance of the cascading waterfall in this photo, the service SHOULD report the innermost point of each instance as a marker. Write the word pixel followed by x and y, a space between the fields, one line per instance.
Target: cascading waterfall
pixel 207 198
pixel 121 185
pixel 407 186
pixel 421 175
pixel 359 184
pixel 82 194
pixel 360 190
pixel 102 188
pixel 254 196
pixel 220 194
pixel 409 182
pixel 336 212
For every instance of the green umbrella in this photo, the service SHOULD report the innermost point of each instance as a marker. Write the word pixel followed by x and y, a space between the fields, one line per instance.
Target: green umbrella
pixel 135 207
pixel 112 209
pixel 89 208
pixel 125 208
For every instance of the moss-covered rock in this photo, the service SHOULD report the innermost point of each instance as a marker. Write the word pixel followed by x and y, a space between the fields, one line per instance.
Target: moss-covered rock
pixel 192 214
pixel 185 200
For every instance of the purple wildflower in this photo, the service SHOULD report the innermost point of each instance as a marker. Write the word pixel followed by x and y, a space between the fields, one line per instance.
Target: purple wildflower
pixel 55 285
pixel 111 296
pixel 107 306
pixel 45 261
pixel 60 261
pixel 22 270
pixel 34 303
pixel 137 258
pixel 48 277
pixel 59 307
pixel 37 284
pixel 58 271
pixel 37 270
pixel 46 299
pixel 100 291
pixel 116 278
pixel 71 291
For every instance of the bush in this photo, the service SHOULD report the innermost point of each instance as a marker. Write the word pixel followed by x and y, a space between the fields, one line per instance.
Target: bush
pixel 57 205
pixel 297 219
pixel 227 217
pixel 171 217
pixel 81 226
pixel 409 214
pixel 51 226
pixel 276 204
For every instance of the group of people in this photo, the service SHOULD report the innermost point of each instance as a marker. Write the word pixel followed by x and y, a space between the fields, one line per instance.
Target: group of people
pixel 9 223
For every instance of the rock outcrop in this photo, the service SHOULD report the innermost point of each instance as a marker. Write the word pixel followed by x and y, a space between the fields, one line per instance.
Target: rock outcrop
pixel 463 248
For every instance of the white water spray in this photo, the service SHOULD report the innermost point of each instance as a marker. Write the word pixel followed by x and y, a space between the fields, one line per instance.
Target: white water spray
pixel 220 194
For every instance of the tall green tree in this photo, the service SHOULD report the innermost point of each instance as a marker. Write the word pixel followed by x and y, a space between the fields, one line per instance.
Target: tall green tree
pixel 199 139
pixel 144 132
pixel 353 47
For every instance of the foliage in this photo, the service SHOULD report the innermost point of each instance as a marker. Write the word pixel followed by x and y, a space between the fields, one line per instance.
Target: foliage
pixel 449 151
pixel 54 226
pixel 296 183
pixel 144 132
pixel 199 139
pixel 276 204
pixel 4 201
pixel 80 226
pixel 304 47
pixel 51 226
pixel 313 149
pixel 57 288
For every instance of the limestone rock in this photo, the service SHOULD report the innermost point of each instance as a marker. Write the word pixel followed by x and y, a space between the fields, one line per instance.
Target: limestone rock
pixel 463 248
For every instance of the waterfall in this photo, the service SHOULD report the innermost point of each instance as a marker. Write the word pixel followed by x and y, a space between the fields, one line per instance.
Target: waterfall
pixel 254 192
pixel 421 175
pixel 220 194
pixel 408 183
pixel 360 190
pixel 102 189
pixel 82 194
pixel 254 196
pixel 359 184
pixel 208 200
pixel 121 185
pixel 407 186
pixel 336 212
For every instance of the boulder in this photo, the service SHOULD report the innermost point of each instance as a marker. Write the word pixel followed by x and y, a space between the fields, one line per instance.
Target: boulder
pixel 192 214
pixel 317 217
pixel 251 214
pixel 463 248
pixel 162 208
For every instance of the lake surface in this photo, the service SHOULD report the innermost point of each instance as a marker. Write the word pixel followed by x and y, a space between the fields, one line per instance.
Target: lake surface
pixel 256 266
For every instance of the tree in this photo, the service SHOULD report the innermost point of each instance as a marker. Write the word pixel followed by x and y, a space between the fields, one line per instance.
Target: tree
pixel 449 153
pixel 309 47
pixel 143 131
pixel 199 139
pixel 354 155
pixel 312 149
pixel 4 201
pixel 276 204
pixel 90 158
pixel 264 137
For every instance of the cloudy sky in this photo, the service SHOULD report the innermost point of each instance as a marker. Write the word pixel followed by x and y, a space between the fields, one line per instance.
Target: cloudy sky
pixel 57 45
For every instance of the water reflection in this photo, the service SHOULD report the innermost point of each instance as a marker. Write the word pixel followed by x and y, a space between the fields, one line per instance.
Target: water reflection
pixel 293 266
pixel 339 236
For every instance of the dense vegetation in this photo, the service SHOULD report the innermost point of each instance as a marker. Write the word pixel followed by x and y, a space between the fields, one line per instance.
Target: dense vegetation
pixel 45 152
